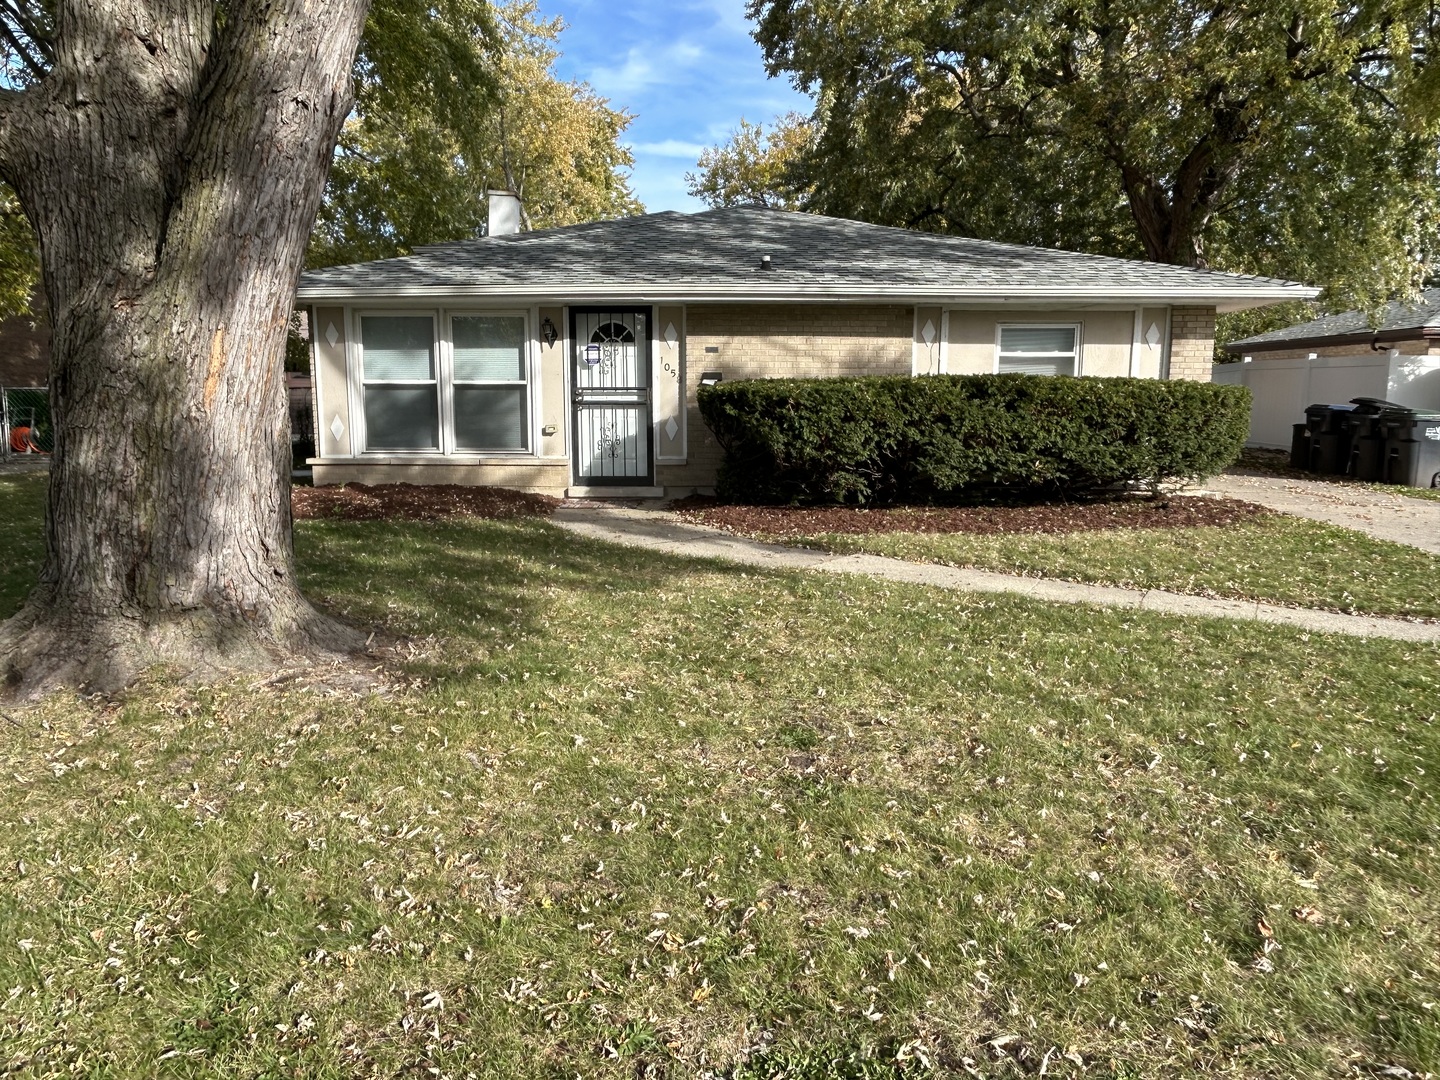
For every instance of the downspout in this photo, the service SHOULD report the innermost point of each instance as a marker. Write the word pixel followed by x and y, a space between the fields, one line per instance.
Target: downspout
pixel 1135 342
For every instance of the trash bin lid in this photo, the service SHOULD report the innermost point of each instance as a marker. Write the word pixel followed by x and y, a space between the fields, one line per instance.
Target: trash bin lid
pixel 1332 408
pixel 1375 404
pixel 1408 415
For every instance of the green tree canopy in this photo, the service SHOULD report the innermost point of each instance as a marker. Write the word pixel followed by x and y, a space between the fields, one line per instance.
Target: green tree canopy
pixel 417 155
pixel 1297 139
pixel 754 167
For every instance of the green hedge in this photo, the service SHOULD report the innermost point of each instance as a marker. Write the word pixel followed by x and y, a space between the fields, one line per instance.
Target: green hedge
pixel 966 438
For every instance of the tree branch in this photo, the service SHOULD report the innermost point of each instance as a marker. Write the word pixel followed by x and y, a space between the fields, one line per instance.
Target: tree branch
pixel 40 34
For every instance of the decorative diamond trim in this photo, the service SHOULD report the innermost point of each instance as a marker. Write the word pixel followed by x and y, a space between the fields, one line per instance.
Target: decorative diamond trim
pixel 336 427
pixel 671 337
pixel 332 335
pixel 1152 336
pixel 671 427
pixel 927 334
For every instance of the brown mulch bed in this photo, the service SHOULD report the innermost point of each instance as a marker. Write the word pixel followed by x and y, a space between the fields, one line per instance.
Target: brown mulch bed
pixel 410 502
pixel 798 521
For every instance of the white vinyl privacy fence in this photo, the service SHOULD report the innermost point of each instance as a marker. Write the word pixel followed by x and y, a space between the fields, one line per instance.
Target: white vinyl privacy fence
pixel 1283 388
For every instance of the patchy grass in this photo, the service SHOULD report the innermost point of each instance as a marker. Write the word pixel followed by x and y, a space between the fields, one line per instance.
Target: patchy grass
pixel 22 536
pixel 627 815
pixel 1277 463
pixel 1278 559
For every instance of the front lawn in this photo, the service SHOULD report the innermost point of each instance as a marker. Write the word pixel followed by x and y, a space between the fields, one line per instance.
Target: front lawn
pixel 1276 559
pixel 625 815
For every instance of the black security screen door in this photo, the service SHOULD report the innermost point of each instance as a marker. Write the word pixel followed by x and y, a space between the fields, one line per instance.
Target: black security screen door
pixel 611 381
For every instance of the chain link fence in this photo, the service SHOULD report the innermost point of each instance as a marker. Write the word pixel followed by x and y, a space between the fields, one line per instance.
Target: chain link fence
pixel 26 427
pixel 25 421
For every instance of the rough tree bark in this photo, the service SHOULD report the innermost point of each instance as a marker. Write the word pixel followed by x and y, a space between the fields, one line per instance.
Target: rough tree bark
pixel 172 161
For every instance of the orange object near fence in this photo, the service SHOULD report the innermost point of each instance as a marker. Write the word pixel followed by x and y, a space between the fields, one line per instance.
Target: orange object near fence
pixel 22 441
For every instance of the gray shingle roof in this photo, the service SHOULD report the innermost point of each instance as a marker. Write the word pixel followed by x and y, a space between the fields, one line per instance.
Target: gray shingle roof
pixel 1402 315
pixel 716 254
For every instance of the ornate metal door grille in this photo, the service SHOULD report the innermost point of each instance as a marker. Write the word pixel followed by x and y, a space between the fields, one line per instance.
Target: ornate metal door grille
pixel 611 396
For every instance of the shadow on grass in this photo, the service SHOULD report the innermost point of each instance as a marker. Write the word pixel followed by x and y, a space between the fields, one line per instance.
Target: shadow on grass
pixel 475 580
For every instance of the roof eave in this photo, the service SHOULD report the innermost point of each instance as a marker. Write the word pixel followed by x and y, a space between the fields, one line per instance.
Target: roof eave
pixel 1312 341
pixel 1223 299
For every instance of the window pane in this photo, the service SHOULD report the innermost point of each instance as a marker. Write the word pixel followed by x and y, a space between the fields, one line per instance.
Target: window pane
pixel 401 418
pixel 398 348
pixel 1038 365
pixel 490 418
pixel 489 347
pixel 1037 339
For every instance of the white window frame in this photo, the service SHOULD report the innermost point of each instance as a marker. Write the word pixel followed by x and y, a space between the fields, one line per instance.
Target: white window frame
pixel 444 357
pixel 529 382
pixel 1078 354
pixel 359 382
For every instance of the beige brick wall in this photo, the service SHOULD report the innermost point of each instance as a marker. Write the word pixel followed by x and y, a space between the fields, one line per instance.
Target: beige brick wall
pixel 544 479
pixel 1192 343
pixel 25 346
pixel 779 341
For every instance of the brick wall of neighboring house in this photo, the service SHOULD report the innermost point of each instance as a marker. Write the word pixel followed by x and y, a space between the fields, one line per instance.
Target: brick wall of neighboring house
pixel 1192 343
pixel 25 347
pixel 772 341
pixel 1405 348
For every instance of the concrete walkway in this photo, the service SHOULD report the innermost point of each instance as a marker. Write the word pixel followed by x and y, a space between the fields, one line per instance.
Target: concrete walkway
pixel 1380 514
pixel 658 531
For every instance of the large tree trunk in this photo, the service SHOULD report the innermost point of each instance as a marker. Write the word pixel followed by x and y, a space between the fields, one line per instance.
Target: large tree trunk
pixel 172 163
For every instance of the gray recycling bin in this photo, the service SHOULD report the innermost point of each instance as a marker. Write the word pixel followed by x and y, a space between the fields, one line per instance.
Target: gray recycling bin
pixel 1412 448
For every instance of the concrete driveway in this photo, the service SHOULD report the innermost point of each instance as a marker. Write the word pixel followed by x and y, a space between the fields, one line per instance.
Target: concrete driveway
pixel 1380 514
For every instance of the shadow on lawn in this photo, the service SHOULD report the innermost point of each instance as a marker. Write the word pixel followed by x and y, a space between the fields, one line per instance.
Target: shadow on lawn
pixel 473 579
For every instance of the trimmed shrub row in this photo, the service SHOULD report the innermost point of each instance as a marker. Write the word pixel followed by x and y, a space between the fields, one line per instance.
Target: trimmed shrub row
pixel 966 438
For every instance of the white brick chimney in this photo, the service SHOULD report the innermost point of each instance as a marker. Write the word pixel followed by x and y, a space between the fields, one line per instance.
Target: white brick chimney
pixel 504 213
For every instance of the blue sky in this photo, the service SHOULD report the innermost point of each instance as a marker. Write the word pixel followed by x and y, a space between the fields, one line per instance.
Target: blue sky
pixel 687 69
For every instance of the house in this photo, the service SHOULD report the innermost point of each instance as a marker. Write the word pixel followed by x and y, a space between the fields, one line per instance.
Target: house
pixel 568 360
pixel 1332 360
pixel 1410 327
pixel 25 346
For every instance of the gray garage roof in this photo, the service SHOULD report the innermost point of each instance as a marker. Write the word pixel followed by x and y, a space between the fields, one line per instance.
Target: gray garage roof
pixel 1406 319
pixel 716 255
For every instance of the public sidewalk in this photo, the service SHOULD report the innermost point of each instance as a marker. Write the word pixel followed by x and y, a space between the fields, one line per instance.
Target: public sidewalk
pixel 658 531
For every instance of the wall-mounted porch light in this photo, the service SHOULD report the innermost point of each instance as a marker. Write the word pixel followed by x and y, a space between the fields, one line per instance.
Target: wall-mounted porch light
pixel 548 331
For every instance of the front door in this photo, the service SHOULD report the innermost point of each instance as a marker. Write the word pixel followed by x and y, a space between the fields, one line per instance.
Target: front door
pixel 611 396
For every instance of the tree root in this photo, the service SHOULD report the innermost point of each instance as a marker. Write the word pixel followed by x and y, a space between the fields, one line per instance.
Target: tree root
pixel 45 648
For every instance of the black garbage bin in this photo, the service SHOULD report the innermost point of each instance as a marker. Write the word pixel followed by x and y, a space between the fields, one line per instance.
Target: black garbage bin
pixel 1300 446
pixel 1329 438
pixel 1412 448
pixel 1366 429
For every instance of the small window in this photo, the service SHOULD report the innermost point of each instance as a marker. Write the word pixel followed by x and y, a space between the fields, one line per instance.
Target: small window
pixel 1038 350
pixel 613 331
pixel 491 390
pixel 402 401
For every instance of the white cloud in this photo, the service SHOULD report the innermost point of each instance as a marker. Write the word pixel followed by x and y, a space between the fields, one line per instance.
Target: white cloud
pixel 673 148
pixel 643 68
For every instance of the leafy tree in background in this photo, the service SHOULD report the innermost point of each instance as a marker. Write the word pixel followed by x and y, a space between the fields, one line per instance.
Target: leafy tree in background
pixel 410 173
pixel 19 262
pixel 1293 139
pixel 754 168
